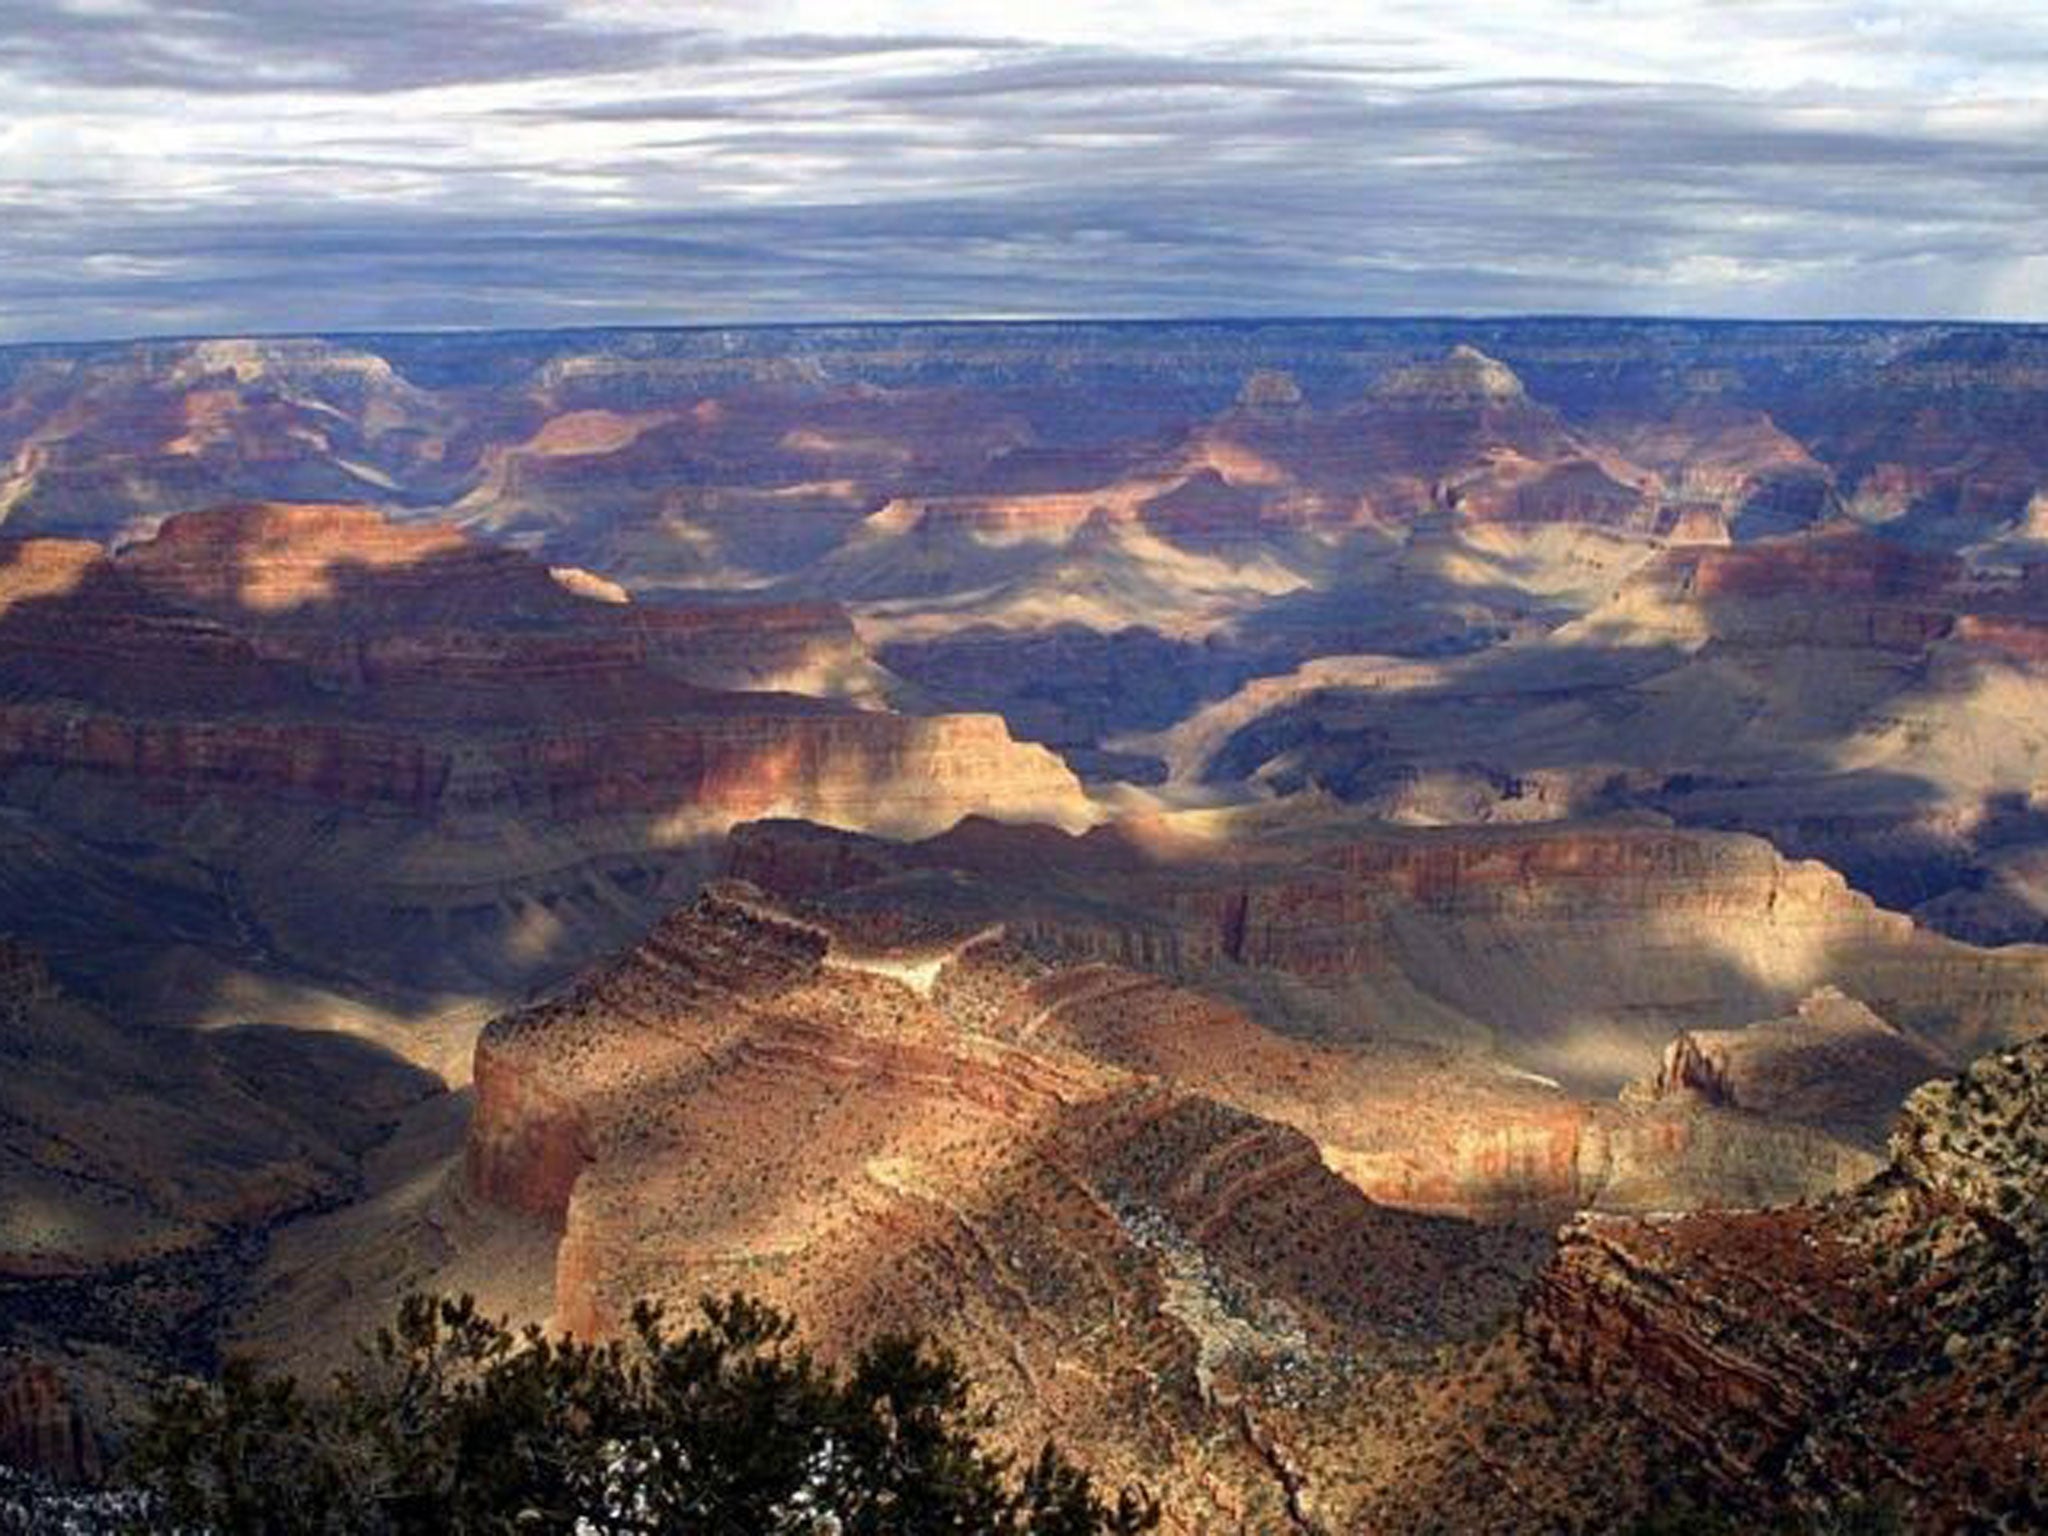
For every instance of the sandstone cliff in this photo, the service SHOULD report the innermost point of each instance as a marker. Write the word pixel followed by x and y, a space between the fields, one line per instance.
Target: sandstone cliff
pixel 1881 1346
pixel 312 723
pixel 889 1121
pixel 1577 950
pixel 322 650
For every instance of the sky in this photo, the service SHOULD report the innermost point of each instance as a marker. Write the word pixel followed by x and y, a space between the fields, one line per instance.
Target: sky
pixel 246 166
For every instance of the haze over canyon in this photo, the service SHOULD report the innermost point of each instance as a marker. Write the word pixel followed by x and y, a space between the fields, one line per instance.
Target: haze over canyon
pixel 1385 925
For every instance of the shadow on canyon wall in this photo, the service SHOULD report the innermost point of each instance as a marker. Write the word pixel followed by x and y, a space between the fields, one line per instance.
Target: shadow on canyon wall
pixel 1745 733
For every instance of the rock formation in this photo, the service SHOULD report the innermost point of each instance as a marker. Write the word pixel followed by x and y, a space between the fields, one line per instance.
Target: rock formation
pixel 1833 1063
pixel 107 442
pixel 1475 697
pixel 1881 1346
pixel 877 1123
pixel 358 726
pixel 1576 950
pixel 1849 698
pixel 880 1109
pixel 41 1429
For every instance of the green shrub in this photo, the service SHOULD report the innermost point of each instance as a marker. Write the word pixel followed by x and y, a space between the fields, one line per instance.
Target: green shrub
pixel 453 1425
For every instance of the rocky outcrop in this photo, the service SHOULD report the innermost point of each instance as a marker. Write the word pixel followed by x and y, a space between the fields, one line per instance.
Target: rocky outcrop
pixel 672 458
pixel 1538 1162
pixel 1528 933
pixel 1882 1346
pixel 1271 391
pixel 1834 1063
pixel 723 488
pixel 274 561
pixel 884 1111
pixel 348 751
pixel 527 1145
pixel 109 441
pixel 1838 587
pixel 1728 461
pixel 1976 1140
pixel 1466 379
pixel 324 652
pixel 41 1428
pixel 1458 435
pixel 894 773
pixel 885 1120
pixel 1940 437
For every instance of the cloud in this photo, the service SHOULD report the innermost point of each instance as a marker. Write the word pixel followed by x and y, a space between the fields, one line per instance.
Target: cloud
pixel 252 166
pixel 247 46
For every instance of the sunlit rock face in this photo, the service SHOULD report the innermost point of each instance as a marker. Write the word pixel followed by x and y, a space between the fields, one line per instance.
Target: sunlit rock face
pixel 1848 697
pixel 772 440
pixel 406 751
pixel 1527 763
pixel 1729 470
pixel 1465 380
pixel 1252 498
pixel 894 1121
pixel 1577 950
pixel 1879 1345
pixel 1476 1023
pixel 1099 1163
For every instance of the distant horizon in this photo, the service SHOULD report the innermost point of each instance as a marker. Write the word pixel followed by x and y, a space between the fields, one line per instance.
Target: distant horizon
pixel 988 322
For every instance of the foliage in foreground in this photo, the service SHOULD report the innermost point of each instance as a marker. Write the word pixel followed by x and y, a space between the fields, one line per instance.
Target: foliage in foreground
pixel 455 1424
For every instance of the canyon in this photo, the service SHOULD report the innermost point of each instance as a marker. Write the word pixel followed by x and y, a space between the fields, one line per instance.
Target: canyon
pixel 1387 925
pixel 1190 1238
pixel 1871 1356
pixel 389 757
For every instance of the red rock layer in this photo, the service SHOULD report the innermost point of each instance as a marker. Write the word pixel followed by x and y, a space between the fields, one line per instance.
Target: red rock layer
pixel 772 1099
pixel 1841 562
pixel 1839 587
pixel 1529 929
pixel 1882 1345
pixel 41 1429
pixel 321 652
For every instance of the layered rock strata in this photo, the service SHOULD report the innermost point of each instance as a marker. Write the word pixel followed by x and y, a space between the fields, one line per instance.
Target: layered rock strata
pixel 311 723
pixel 1881 1347
pixel 321 652
pixel 896 1123
pixel 1577 950
pixel 41 1428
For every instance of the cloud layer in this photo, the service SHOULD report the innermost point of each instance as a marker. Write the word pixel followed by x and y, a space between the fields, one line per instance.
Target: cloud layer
pixel 254 165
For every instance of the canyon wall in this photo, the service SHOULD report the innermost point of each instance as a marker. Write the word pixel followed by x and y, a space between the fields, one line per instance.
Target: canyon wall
pixel 315 725
pixel 893 1122
pixel 1578 951
pixel 1875 1346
